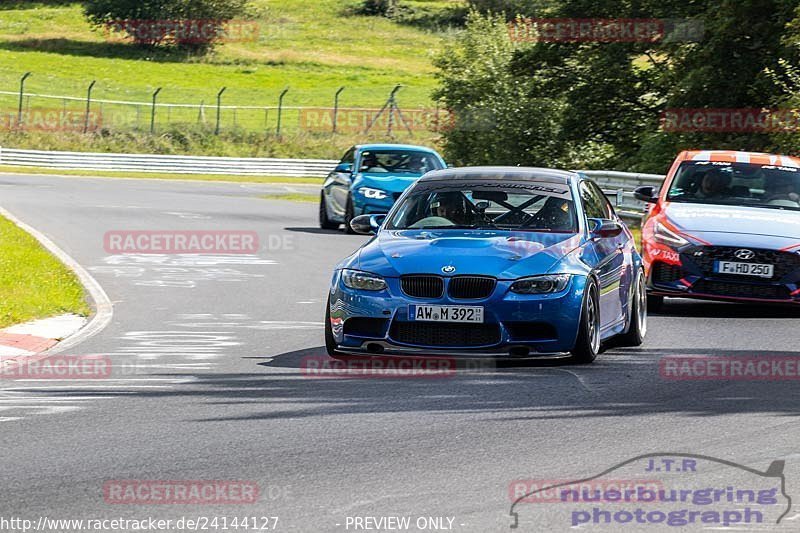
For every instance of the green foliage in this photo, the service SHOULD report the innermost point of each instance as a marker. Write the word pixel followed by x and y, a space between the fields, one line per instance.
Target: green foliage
pixel 498 120
pixel 147 22
pixel 511 8
pixel 381 8
pixel 600 103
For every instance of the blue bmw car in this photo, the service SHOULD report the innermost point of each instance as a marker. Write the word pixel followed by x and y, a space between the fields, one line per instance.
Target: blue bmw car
pixel 369 179
pixel 490 261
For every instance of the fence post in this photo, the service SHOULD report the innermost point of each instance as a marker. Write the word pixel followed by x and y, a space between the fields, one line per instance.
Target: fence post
pixel 336 108
pixel 21 93
pixel 280 110
pixel 219 104
pixel 153 112
pixel 88 106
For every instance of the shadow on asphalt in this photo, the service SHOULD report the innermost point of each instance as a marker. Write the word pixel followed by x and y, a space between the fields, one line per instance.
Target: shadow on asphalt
pixel 688 308
pixel 620 383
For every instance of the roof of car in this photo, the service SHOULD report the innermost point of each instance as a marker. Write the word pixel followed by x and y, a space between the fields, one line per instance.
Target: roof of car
pixel 395 147
pixel 733 156
pixel 501 173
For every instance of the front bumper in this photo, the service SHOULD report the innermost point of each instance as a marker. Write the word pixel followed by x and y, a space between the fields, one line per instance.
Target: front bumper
pixel 688 272
pixel 514 325
pixel 373 206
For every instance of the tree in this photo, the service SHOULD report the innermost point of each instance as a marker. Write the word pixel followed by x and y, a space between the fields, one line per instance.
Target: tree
pixel 497 120
pixel 192 24
pixel 608 98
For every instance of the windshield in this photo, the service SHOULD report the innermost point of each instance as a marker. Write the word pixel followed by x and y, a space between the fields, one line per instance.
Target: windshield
pixel 740 184
pixel 546 207
pixel 398 162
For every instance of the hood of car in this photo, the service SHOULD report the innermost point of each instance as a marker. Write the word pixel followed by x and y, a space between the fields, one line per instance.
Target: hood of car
pixel 386 182
pixel 503 254
pixel 699 219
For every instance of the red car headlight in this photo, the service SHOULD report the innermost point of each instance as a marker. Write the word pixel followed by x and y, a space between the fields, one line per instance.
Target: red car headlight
pixel 664 235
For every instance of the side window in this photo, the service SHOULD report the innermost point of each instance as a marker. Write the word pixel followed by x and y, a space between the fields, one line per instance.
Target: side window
pixel 608 209
pixel 349 156
pixel 592 205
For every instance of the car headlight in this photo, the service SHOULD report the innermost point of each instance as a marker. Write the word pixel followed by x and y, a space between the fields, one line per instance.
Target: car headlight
pixel 373 194
pixel 355 279
pixel 665 235
pixel 541 284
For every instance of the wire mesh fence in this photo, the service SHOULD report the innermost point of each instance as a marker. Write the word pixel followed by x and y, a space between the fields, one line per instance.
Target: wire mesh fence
pixel 36 111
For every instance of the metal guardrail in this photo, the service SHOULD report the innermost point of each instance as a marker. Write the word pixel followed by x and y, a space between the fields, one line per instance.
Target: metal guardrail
pixel 167 164
pixel 609 180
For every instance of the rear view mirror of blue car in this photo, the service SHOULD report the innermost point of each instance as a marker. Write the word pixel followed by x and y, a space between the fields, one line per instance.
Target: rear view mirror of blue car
pixel 604 228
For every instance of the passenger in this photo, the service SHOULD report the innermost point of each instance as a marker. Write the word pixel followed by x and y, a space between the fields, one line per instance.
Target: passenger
pixel 418 164
pixel 777 188
pixel 451 206
pixel 715 185
pixel 370 163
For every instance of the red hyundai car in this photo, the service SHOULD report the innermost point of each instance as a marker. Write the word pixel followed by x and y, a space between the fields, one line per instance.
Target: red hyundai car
pixel 725 225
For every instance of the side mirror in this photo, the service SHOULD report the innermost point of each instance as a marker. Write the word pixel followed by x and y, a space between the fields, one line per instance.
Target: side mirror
pixel 646 193
pixel 367 224
pixel 603 228
pixel 344 168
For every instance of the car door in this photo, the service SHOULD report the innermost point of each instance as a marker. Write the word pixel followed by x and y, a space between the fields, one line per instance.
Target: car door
pixel 610 255
pixel 338 184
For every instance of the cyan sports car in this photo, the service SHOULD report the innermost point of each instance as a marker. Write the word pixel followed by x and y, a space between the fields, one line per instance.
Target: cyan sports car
pixel 490 262
pixel 369 179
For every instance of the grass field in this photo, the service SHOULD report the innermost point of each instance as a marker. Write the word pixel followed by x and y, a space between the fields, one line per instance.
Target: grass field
pixel 292 197
pixel 9 169
pixel 33 283
pixel 312 47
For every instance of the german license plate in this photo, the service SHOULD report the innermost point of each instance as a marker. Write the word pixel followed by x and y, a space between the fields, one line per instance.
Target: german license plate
pixel 744 269
pixel 445 313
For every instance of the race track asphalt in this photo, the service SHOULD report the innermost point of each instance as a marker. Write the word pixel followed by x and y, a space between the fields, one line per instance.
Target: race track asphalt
pixel 207 385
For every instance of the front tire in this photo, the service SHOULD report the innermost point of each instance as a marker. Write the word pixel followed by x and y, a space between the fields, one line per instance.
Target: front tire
pixel 349 214
pixel 587 345
pixel 324 221
pixel 637 323
pixel 330 341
